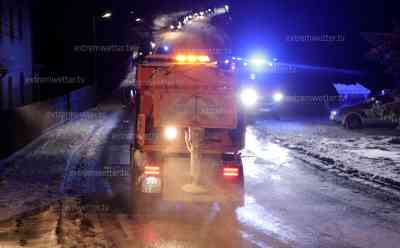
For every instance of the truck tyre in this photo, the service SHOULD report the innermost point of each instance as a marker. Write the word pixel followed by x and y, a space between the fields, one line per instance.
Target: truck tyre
pixel 141 202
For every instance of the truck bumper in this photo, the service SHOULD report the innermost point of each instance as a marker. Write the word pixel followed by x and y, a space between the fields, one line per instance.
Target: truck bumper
pixel 175 173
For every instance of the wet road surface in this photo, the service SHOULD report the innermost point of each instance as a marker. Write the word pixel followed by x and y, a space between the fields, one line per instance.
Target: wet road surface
pixel 287 204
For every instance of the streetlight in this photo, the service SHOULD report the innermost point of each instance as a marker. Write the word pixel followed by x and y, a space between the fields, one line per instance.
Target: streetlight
pixel 106 15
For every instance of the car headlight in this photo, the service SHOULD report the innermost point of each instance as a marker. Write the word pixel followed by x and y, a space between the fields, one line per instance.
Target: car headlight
pixel 278 97
pixel 333 115
pixel 249 97
pixel 170 133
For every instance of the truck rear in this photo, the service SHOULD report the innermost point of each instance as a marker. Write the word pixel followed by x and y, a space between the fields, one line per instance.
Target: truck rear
pixel 188 131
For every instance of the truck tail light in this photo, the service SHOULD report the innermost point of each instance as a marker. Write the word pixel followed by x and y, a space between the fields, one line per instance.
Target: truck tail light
pixel 152 170
pixel 232 169
pixel 231 172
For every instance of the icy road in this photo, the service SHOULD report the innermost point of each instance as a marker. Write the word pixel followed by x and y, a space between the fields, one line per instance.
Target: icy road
pixel 83 201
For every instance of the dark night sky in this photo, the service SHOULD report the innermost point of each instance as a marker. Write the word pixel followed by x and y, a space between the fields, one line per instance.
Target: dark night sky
pixel 256 24
pixel 264 25
pixel 272 21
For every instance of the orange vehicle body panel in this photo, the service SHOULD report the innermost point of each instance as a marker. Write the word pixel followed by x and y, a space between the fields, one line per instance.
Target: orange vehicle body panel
pixel 186 96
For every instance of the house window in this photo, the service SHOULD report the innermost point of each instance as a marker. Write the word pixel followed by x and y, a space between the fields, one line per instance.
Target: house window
pixel 11 24
pixel 10 92
pixel 1 93
pixel 22 87
pixel 1 19
pixel 20 25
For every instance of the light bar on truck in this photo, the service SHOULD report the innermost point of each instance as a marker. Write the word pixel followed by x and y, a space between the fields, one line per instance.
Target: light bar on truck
pixel 192 59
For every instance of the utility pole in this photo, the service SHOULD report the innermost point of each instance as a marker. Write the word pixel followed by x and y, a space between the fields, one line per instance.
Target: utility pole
pixel 106 15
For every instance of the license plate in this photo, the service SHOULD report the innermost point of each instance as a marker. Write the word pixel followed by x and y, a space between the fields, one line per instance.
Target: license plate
pixel 151 185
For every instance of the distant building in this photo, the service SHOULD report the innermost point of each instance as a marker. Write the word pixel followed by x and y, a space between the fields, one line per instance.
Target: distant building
pixel 15 53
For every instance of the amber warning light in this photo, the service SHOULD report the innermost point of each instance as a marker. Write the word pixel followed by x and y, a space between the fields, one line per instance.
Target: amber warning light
pixel 192 59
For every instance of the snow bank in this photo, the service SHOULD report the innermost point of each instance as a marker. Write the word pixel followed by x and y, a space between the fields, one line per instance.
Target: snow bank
pixel 372 155
pixel 42 172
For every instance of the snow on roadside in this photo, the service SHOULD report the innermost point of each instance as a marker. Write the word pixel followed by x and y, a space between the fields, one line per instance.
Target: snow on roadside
pixel 32 178
pixel 369 156
pixel 65 224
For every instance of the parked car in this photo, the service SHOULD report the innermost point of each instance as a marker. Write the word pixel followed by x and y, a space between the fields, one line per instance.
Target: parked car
pixel 391 111
pixel 363 114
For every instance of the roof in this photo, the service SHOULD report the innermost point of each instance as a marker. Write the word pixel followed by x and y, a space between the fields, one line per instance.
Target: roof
pixel 355 89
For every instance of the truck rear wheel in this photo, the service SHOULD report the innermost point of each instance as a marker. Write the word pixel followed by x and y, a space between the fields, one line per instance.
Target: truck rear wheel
pixel 140 200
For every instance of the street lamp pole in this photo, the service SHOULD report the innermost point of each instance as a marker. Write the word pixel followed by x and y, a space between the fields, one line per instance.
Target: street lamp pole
pixel 95 84
pixel 106 15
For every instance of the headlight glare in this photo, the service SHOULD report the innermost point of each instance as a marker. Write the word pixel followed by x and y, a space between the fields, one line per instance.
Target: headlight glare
pixel 249 97
pixel 278 97
pixel 170 133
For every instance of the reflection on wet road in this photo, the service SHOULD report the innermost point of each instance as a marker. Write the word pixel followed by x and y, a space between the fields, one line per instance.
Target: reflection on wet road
pixel 287 204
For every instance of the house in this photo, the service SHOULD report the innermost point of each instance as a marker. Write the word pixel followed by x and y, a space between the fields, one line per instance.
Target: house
pixel 15 53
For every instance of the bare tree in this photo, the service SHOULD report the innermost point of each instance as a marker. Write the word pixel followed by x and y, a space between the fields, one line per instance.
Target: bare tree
pixel 386 50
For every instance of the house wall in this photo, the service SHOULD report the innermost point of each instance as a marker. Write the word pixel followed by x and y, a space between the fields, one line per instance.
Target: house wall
pixel 15 53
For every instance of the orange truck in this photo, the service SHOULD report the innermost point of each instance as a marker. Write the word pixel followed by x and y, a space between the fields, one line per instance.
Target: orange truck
pixel 189 131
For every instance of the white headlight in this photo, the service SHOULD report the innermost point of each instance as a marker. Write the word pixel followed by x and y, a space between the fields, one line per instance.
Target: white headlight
pixel 170 133
pixel 278 97
pixel 249 97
